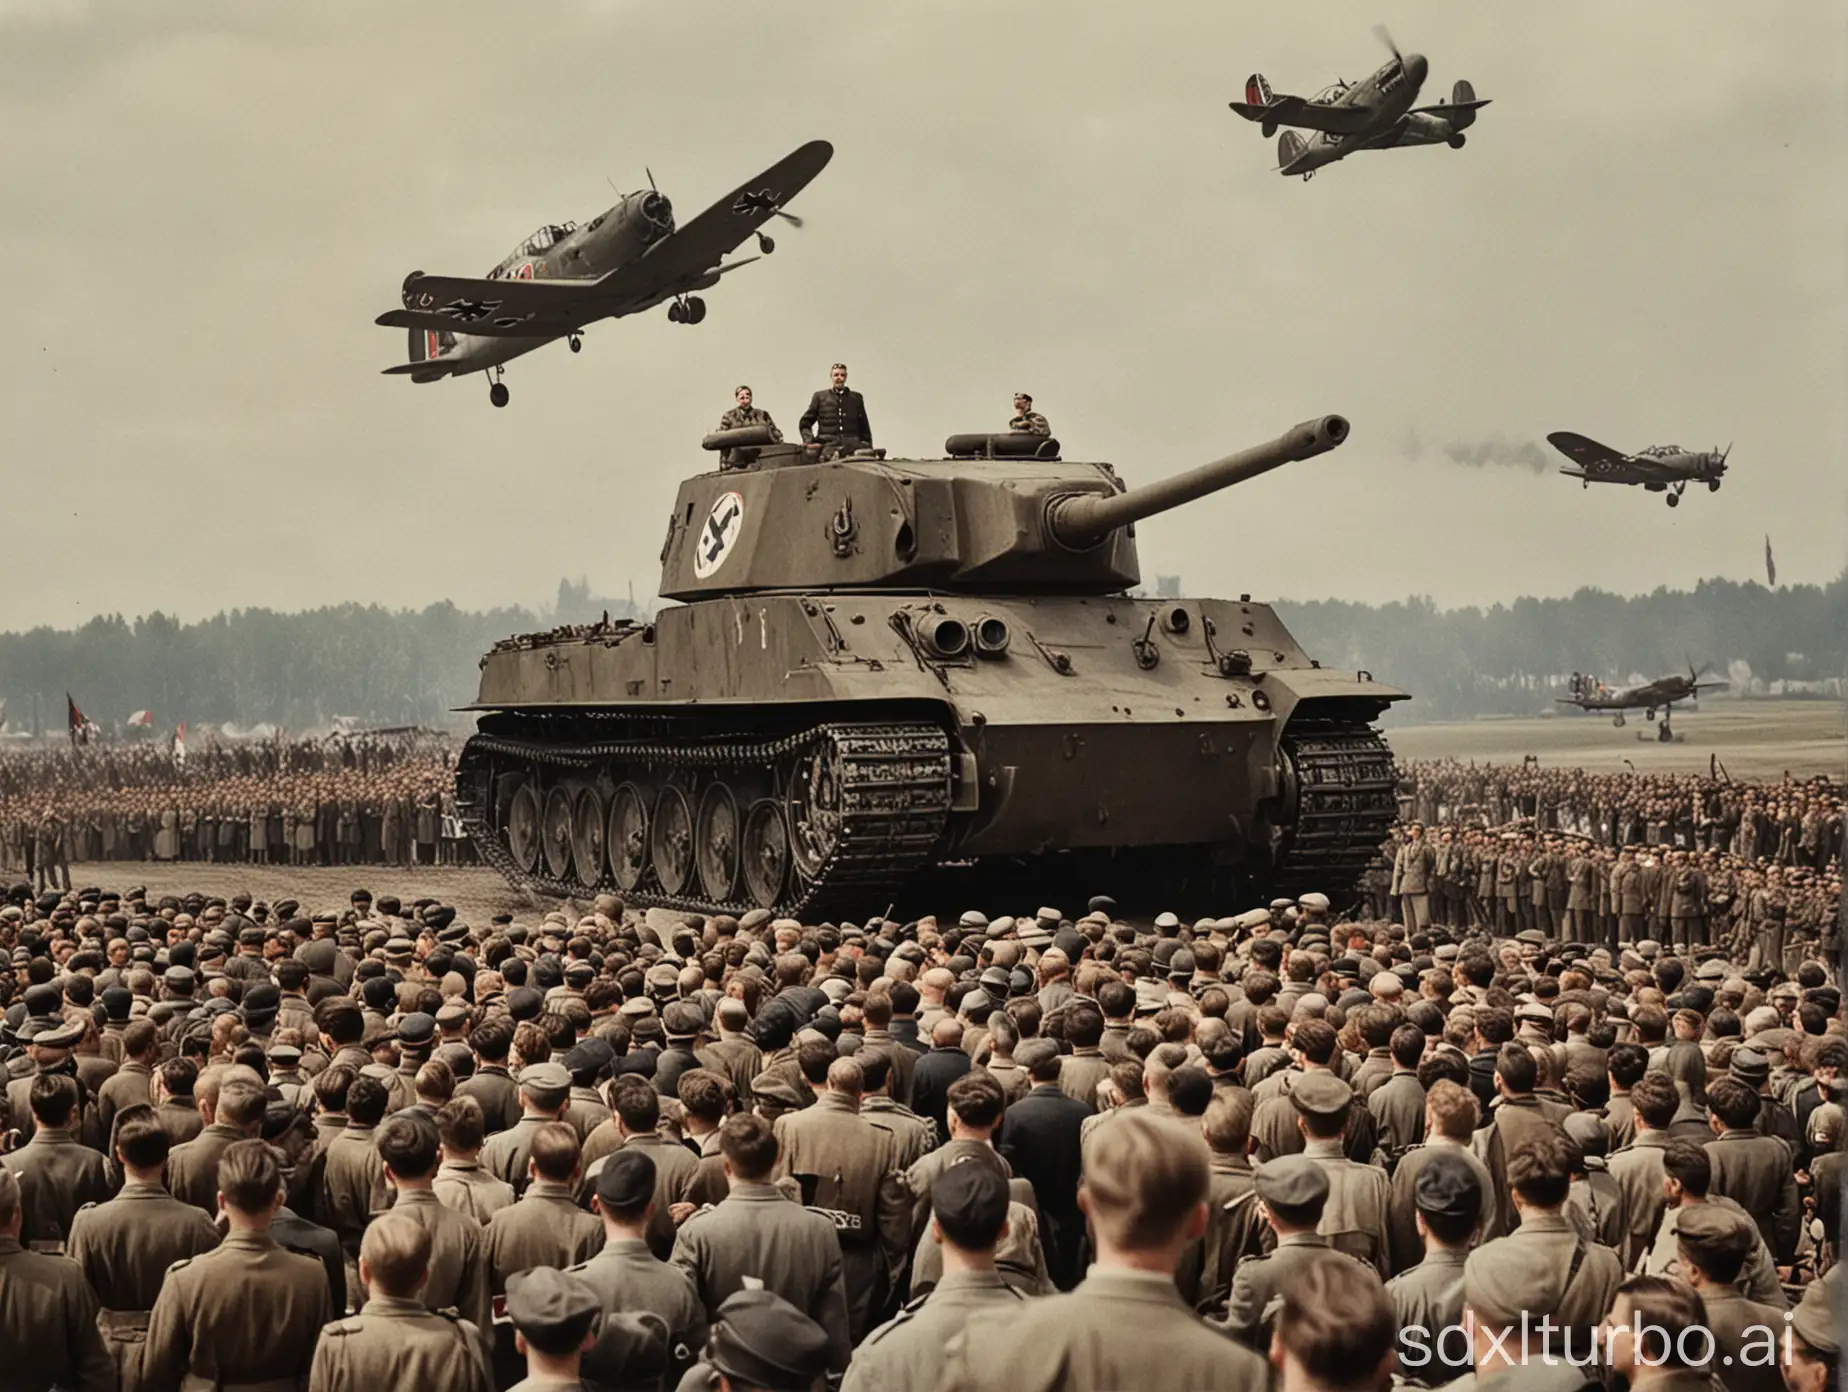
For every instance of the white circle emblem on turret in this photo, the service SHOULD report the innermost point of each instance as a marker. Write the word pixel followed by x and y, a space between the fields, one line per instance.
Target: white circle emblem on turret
pixel 715 540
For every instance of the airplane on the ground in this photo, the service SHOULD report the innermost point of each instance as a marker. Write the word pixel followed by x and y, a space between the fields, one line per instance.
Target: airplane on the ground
pixel 1659 468
pixel 565 277
pixel 1590 694
pixel 1375 113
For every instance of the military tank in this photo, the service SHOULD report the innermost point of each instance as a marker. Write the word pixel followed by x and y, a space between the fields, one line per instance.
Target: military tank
pixel 881 666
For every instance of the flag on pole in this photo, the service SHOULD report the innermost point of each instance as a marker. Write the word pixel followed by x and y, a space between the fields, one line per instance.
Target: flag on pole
pixel 179 745
pixel 79 726
pixel 1770 564
pixel 142 718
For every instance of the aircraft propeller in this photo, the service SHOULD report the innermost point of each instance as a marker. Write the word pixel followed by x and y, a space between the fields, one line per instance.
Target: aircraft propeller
pixel 1384 35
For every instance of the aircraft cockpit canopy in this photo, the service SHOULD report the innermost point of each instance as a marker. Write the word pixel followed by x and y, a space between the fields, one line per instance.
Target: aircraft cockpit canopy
pixel 1662 451
pixel 1332 93
pixel 538 244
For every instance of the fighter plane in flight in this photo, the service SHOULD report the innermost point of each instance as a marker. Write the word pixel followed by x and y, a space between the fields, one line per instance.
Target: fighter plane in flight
pixel 565 276
pixel 1375 113
pixel 1590 694
pixel 1659 468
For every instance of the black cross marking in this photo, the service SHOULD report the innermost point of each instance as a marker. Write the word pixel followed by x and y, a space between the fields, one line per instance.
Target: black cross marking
pixel 717 525
pixel 763 201
pixel 468 311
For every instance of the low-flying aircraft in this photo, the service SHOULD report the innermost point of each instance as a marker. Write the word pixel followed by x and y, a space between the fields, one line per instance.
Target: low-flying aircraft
pixel 1375 113
pixel 1590 694
pixel 566 276
pixel 1659 468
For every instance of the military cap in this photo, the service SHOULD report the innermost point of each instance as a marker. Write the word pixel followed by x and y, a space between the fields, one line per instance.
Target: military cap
pixel 452 1013
pixel 545 1078
pixel 262 999
pixel 551 1306
pixel 1321 1094
pixel 117 1002
pixel 971 1198
pixel 1291 1181
pixel 1749 1065
pixel 287 1055
pixel 1446 1186
pixel 762 1341
pixel 524 1003
pixel 1814 1319
pixel 1535 1013
pixel 1709 1230
pixel 178 978
pixel 627 1179
pixel 50 1032
pixel 417 1029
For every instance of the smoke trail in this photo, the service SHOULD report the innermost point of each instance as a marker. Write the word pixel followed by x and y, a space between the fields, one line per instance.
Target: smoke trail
pixel 1480 453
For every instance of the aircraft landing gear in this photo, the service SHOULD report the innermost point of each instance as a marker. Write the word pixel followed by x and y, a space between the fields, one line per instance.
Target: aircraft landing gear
pixel 690 309
pixel 1618 722
pixel 576 342
pixel 766 244
pixel 1674 500
pixel 497 390
pixel 1713 485
pixel 1649 715
pixel 1455 142
pixel 1664 734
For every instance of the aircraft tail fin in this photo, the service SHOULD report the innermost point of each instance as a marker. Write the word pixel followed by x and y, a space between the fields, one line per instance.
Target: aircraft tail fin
pixel 1258 91
pixel 1463 97
pixel 1290 147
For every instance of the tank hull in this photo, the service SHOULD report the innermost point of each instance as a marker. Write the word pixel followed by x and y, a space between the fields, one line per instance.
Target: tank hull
pixel 814 752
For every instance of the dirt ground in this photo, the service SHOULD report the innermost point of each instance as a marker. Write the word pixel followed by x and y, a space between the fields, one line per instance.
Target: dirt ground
pixel 1753 739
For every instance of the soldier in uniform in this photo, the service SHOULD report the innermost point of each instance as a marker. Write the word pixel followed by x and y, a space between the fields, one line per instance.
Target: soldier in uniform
pixel 456 1264
pixel 126 1244
pixel 836 418
pixel 848 1167
pixel 546 1227
pixel 1292 1192
pixel 1428 1298
pixel 245 1316
pixel 398 1341
pixel 553 1317
pixel 47 1313
pixel 461 1183
pixel 1411 879
pixel 757 1236
pixel 1145 1186
pixel 627 1276
pixel 57 1173
pixel 1354 1215
pixel 1026 420
pixel 1713 1243
pixel 969 1218
pixel 742 415
pixel 761 1341
pixel 231 1102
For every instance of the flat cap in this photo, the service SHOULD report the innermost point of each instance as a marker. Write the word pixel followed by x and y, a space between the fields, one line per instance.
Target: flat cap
pixel 524 1003
pixel 1291 1181
pixel 1315 903
pixel 1447 1186
pixel 452 1013
pixel 762 1341
pixel 972 918
pixel 1713 969
pixel 546 1077
pixel 1534 1013
pixel 1814 1320
pixel 1711 1230
pixel 178 978
pixel 970 1198
pixel 1321 1094
pixel 118 1001
pixel 288 1055
pixel 417 1029
pixel 547 1302
pixel 1750 1065
pixel 627 1179
pixel 1252 918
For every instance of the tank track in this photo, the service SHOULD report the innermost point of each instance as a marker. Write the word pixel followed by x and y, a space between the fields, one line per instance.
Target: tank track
pixel 1346 804
pixel 893 788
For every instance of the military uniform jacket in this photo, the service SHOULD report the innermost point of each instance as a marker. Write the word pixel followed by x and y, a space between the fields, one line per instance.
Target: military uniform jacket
pixel 1412 868
pixel 1398 1108
pixel 757 1234
pixel 630 1279
pixel 399 1344
pixel 126 1245
pixel 1405 1246
pixel 1545 1248
pixel 1637 1168
pixel 1079 1074
pixel 1729 1316
pixel 1427 1300
pixel 57 1175
pixel 1758 1280
pixel 467 1188
pixel 854 1167
pixel 912 1134
pixel 353 1184
pixel 494 1088
pixel 1258 1284
pixel 48 1324
pixel 192 1168
pixel 834 413
pixel 246 1312
pixel 1758 1173
pixel 735 1058
pixel 906 1353
pixel 1512 1121
pixel 923 1174
pixel 128 1086
pixel 1354 1218
pixel 904 1064
pixel 458 1257
pixel 676 1168
pixel 545 1228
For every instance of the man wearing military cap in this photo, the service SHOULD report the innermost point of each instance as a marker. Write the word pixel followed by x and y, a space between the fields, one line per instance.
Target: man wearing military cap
pixel 553 1315
pixel 1713 1244
pixel 1816 1327
pixel 545 1088
pixel 1428 1298
pixel 760 1343
pixel 1293 1191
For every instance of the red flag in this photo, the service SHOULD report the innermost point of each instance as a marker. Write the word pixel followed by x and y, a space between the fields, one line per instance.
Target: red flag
pixel 79 726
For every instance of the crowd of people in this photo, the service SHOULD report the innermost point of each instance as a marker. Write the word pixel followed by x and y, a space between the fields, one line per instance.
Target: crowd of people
pixel 254 1147
pixel 364 801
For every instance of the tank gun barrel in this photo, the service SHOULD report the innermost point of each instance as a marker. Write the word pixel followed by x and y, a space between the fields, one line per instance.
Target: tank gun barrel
pixel 1085 518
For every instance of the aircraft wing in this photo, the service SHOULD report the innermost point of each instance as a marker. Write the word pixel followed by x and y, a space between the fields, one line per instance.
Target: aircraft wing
pixel 1449 110
pixel 1600 463
pixel 1309 115
pixel 498 308
pixel 688 258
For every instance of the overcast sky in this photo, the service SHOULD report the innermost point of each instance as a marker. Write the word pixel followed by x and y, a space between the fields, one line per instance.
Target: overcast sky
pixel 207 204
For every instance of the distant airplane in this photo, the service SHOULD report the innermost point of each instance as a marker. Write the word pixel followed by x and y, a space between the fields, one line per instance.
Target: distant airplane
pixel 1590 694
pixel 1375 113
pixel 1658 468
pixel 565 277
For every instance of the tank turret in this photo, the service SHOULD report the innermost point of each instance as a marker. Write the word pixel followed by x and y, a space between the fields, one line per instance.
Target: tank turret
pixel 1001 512
pixel 883 666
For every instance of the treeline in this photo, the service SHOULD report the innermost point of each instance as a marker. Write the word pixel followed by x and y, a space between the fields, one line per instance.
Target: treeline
pixel 404 667
pixel 1513 659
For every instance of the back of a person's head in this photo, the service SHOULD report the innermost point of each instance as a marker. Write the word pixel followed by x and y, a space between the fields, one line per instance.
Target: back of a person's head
pixel 396 1254
pixel 241 1099
pixel 555 1152
pixel 140 1139
pixel 1040 1057
pixel 1735 1104
pixel 749 1146
pixel 461 1125
pixel 410 1146
pixel 977 1100
pixel 1337 1326
pixel 1541 1166
pixel 1315 1039
pixel 815 1057
pixel 1655 1099
pixel 367 1099
pixel 1407 1045
pixel 1662 1312
pixel 1145 1177
pixel 1227 1122
pixel 250 1176
pixel 1688 1164
pixel 53 1099
pixel 1516 1067
pixel 636 1104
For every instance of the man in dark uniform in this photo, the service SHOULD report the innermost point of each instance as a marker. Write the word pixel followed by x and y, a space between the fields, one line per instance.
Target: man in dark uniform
pixel 1027 421
pixel 1039 1138
pixel 1428 1299
pixel 1293 1190
pixel 761 1341
pixel 836 418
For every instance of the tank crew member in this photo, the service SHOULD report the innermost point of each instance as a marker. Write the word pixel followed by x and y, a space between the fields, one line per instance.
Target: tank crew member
pixel 741 415
pixel 1026 420
pixel 836 418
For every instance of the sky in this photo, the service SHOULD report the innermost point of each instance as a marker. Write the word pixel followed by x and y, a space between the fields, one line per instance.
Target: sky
pixel 206 204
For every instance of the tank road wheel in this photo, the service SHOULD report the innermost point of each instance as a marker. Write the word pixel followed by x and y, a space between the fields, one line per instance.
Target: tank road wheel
pixel 628 836
pixel 522 828
pixel 557 829
pixel 670 842
pixel 814 811
pixel 716 837
pixel 587 823
pixel 766 853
